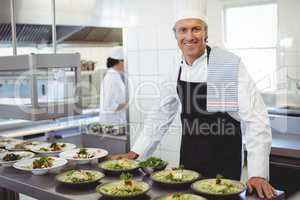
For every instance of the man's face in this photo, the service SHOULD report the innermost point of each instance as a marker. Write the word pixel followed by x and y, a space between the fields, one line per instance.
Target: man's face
pixel 191 35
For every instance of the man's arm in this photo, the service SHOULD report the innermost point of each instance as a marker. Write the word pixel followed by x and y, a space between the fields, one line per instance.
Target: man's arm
pixel 258 136
pixel 157 122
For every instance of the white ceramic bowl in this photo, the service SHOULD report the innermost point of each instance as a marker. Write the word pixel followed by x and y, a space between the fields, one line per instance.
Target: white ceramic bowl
pixel 26 165
pixel 70 155
pixel 5 141
pixel 37 149
pixel 11 146
pixel 24 154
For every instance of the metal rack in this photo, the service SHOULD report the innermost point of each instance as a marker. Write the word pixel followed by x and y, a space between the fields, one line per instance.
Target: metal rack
pixel 31 64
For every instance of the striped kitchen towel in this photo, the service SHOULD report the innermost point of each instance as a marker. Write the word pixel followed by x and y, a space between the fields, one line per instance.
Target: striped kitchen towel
pixel 222 81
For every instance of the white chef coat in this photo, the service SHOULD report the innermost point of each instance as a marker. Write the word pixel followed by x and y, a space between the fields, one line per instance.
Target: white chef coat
pixel 112 94
pixel 252 114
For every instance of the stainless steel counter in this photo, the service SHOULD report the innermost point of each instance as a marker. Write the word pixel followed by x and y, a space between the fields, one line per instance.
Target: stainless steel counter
pixel 287 145
pixel 46 188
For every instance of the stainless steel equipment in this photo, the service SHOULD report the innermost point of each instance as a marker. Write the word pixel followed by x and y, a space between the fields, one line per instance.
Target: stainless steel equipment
pixel 31 69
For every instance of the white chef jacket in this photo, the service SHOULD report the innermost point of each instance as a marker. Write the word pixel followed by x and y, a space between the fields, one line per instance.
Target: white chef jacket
pixel 252 114
pixel 112 94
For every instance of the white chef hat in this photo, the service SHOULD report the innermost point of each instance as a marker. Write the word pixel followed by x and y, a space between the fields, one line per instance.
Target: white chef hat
pixel 190 9
pixel 117 53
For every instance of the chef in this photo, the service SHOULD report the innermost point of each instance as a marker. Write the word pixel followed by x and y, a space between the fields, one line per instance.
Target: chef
pixel 112 90
pixel 216 97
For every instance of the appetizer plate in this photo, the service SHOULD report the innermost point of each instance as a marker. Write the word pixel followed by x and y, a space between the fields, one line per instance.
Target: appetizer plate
pixel 113 190
pixel 79 177
pixel 22 145
pixel 116 167
pixel 14 157
pixel 153 164
pixel 5 141
pixel 175 178
pixel 89 154
pixel 27 165
pixel 226 188
pixel 52 148
pixel 180 196
pixel 2 151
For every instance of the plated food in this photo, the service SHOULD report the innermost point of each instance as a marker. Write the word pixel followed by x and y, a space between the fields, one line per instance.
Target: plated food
pixel 175 177
pixel 83 155
pixel 154 163
pixel 124 188
pixel 52 148
pixel 22 145
pixel 95 127
pixel 119 166
pixel 41 165
pixel 3 151
pixel 180 196
pixel 79 177
pixel 5 141
pixel 7 159
pixel 218 187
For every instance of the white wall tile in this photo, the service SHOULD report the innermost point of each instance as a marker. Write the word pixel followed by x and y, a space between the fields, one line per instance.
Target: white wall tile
pixel 133 66
pixel 147 37
pixel 166 37
pixel 133 83
pixel 131 38
pixel 148 62
pixel 134 115
pixel 166 61
pixel 148 85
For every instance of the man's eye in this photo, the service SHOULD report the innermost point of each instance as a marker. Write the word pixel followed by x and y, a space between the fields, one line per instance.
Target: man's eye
pixel 196 29
pixel 182 30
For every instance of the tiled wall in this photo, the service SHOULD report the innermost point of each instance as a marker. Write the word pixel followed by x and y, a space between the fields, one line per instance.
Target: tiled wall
pixel 151 53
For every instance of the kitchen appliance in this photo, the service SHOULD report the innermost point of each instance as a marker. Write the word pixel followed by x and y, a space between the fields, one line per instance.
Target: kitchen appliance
pixel 40 86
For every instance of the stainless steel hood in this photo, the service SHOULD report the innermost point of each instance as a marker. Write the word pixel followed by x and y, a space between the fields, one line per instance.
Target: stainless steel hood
pixel 34 34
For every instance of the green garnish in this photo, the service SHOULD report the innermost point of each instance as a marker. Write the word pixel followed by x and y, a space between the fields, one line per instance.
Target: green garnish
pixel 219 179
pixel 153 162
pixel 11 157
pixel 126 176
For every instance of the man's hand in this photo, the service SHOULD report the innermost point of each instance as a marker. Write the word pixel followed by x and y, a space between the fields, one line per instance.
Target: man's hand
pixel 263 188
pixel 130 155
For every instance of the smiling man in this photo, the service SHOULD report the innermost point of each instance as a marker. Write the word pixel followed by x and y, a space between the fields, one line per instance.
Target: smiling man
pixel 216 96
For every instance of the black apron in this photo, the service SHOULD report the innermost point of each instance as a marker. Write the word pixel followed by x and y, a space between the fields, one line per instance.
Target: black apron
pixel 211 142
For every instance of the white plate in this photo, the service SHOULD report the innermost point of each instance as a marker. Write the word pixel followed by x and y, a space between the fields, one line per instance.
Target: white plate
pixel 2 151
pixel 37 148
pixel 26 165
pixel 11 146
pixel 69 155
pixel 4 141
pixel 24 154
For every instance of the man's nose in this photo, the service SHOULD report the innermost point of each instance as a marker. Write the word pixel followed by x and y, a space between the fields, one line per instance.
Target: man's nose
pixel 189 35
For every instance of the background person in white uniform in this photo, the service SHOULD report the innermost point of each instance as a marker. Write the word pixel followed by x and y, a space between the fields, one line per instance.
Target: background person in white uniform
pixel 113 91
pixel 191 35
